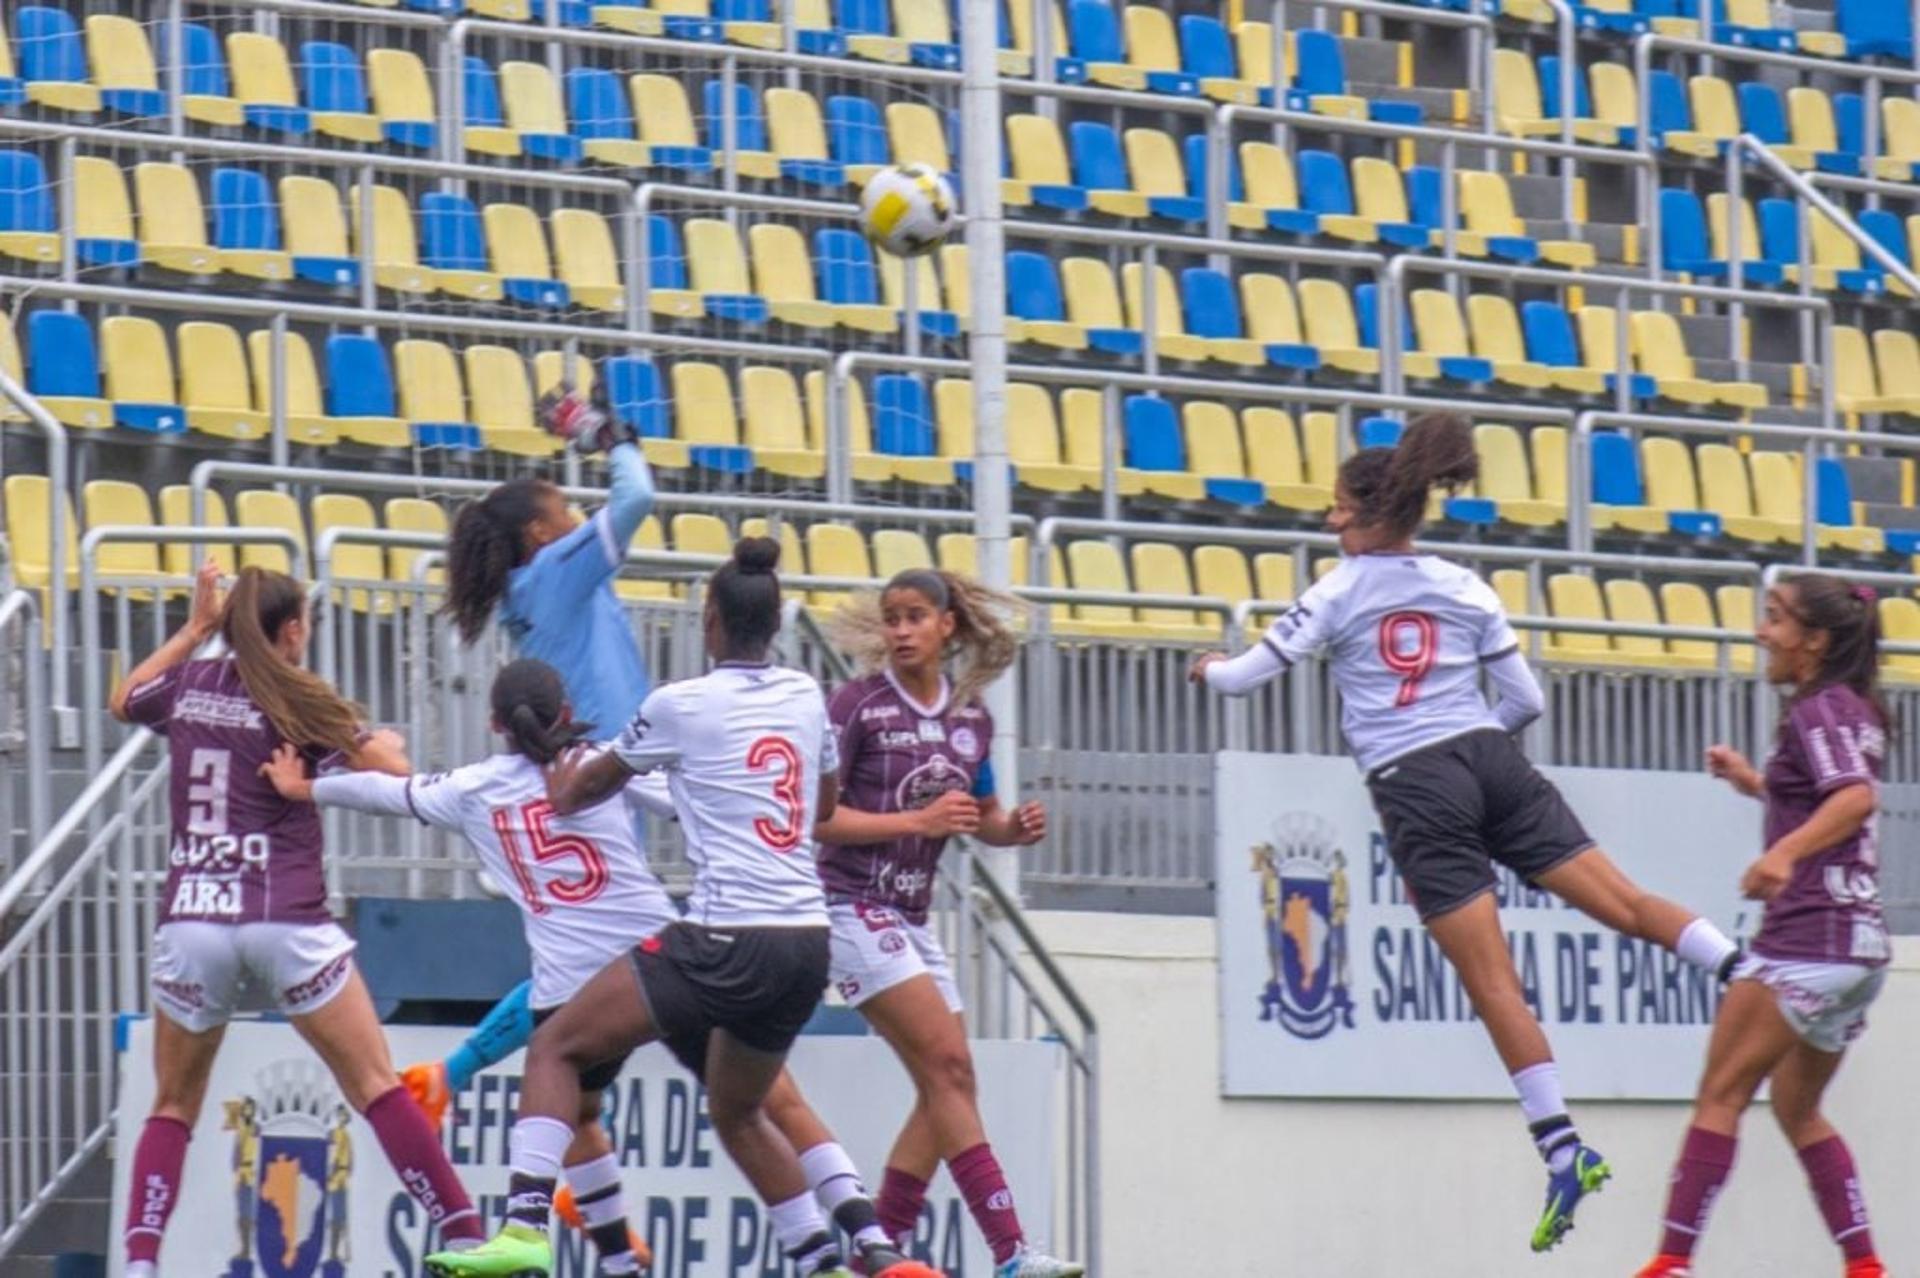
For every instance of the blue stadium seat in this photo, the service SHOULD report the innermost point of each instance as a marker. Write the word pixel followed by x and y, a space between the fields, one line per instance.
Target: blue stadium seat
pixel 1686 246
pixel 1093 30
pixel 1213 311
pixel 843 262
pixel 902 417
pixel 1876 27
pixel 1033 293
pixel 573 13
pixel 246 217
pixel 1326 190
pixel 856 135
pixel 359 379
pixel 749 119
pixel 1889 231
pixel 331 79
pixel 1771 39
pixel 1550 91
pixel 51 53
pixel 1633 22
pixel 1195 148
pixel 637 396
pixel 480 95
pixel 1551 341
pixel 1098 162
pixel 1206 50
pixel 1780 243
pixel 26 208
pixel 1668 110
pixel 452 237
pixel 1378 432
pixel 1322 72
pixel 1155 442
pixel 1425 199
pixel 1764 114
pixel 601 112
pixel 1616 481
pixel 446 8
pixel 64 360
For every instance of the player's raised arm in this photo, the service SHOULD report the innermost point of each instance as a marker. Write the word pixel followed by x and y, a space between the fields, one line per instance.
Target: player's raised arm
pixel 203 622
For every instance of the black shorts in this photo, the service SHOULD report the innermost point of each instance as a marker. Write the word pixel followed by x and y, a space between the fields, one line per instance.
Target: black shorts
pixel 594 1078
pixel 1454 808
pixel 760 984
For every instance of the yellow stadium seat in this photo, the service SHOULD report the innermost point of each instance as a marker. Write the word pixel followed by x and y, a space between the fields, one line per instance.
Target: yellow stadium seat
pixel 776 424
pixel 1083 434
pixel 173 224
pixel 703 409
pixel 1253 52
pixel 634 589
pixel 1327 312
pixel 1900 623
pixel 1896 352
pixel 1020 19
pixel 1573 597
pixel 893 282
pixel 898 550
pixel 1275 575
pixel 796 131
pixel 402 95
pixel 122 58
pixel 695 533
pixel 836 550
pixel 137 366
pixel 262 75
pixel 1495 329
pixel 1170 337
pixel 396 249
pixel 868 466
pixel 1039 158
pixel 1439 332
pixel 1779 495
pixel 550 368
pixel 417 515
pixel 517 246
pixel 29 532
pixel 1098 566
pixel 1033 435
pixel 1213 443
pixel 351 560
pixel 1735 606
pixel 1268 174
pixel 1274 458
pixel 1320 446
pixel 101 207
pixel 1221 572
pixel 916 136
pixel 214 385
pixel 1505 481
pixel 1667 468
pixel 1616 96
pixel 176 511
pixel 315 225
pixel 1153 161
pixel 114 501
pixel 1486 211
pixel 1547 450
pixel 1151 46
pixel 1519 112
pixel 716 262
pixel 427 379
pixel 264 508
pixel 1271 313
pixel 783 270
pixel 502 402
pixel 11 363
pixel 1716 117
pixel 1856 388
pixel 1750 243
pixel 1660 349
pixel 1631 602
pixel 1686 603
pixel 1380 194
pixel 1515 592
pixel 1900 129
pixel 1162 569
pixel 589 264
pixel 1093 299
pixel 530 101
pixel 664 118
pixel 1832 253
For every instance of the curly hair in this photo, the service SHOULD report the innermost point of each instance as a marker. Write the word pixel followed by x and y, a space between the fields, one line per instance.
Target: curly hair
pixel 984 643
pixel 1389 486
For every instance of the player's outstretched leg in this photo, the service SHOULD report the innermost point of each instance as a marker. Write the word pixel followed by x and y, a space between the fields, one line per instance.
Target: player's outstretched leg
pixel 501 1033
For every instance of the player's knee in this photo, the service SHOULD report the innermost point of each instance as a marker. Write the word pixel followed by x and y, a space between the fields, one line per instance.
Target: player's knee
pixel 949 1071
pixel 729 1114
pixel 1726 1090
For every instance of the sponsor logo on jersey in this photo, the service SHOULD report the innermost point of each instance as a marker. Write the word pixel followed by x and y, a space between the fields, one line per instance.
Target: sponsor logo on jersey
pixel 292 1165
pixel 966 743
pixel 872 714
pixel 1304 898
pixel 217 710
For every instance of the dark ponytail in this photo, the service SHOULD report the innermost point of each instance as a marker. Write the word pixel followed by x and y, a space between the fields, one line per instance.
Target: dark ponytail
pixel 744 593
pixel 488 541
pixel 1850 616
pixel 529 704
pixel 1389 487
pixel 303 708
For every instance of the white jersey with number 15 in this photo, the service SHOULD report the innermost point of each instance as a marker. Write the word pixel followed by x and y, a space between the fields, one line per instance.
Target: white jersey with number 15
pixel 1408 635
pixel 744 748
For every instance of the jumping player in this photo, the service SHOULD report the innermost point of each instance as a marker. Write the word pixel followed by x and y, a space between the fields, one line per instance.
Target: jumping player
pixel 246 893
pixel 914 771
pixel 1820 957
pixel 752 766
pixel 1409 636
pixel 582 883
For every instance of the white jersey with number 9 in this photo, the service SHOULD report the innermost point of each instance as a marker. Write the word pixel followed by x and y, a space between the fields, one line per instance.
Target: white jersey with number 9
pixel 1408 635
pixel 744 748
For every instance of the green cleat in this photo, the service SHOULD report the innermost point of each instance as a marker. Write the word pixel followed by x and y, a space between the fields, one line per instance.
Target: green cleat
pixel 515 1252
pixel 1584 1175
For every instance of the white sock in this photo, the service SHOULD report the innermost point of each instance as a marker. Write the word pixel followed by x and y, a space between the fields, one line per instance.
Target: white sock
pixel 141 1269
pixel 1545 1107
pixel 590 1178
pixel 1704 945
pixel 537 1145
pixel 796 1222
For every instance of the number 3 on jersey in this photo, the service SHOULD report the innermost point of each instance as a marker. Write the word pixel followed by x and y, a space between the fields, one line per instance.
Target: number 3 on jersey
pixel 778 752
pixel 548 846
pixel 1409 643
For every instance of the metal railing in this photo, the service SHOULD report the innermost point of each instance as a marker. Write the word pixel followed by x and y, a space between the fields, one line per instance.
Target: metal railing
pixel 25 727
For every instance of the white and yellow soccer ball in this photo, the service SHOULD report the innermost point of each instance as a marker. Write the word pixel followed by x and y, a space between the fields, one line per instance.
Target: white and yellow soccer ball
pixel 907 209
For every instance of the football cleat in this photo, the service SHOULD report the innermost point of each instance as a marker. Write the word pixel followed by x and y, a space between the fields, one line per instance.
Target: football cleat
pixel 1866 1267
pixel 569 1211
pixel 427 1084
pixel 881 1261
pixel 1664 1266
pixel 1584 1175
pixel 1028 1263
pixel 515 1252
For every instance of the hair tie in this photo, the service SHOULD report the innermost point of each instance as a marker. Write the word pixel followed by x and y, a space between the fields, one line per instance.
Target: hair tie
pixel 1865 594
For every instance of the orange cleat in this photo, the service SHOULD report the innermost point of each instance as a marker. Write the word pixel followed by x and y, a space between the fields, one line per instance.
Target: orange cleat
pixel 1870 1267
pixel 427 1084
pixel 569 1211
pixel 1664 1266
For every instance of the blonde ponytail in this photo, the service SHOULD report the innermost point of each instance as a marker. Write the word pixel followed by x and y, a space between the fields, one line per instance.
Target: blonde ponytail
pixel 984 645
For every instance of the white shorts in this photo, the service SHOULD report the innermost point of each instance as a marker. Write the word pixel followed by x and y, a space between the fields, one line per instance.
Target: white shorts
pixel 199 969
pixel 874 949
pixel 1826 1003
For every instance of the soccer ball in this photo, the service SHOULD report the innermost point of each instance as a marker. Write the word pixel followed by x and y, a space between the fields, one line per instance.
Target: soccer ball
pixel 907 209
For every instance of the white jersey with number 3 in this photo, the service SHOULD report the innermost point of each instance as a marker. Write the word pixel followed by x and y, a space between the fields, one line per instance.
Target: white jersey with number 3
pixel 1408 634
pixel 582 882
pixel 744 748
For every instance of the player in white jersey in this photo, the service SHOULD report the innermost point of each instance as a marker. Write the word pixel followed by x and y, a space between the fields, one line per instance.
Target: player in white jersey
pixel 1409 636
pixel 582 882
pixel 752 766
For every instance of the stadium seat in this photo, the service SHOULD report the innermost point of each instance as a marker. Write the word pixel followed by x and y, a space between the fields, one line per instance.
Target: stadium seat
pixel 1098 50
pixel 1273 320
pixel 1620 499
pixel 173 225
pixel 904 431
pixel 115 501
pixel 1216 452
pixel 1507 480
pixel 138 372
pixel 1439 334
pixel 1275 459
pixel 603 119
pixel 1587 126
pixel 501 402
pixel 1207 54
pixel 867 466
pixel 1686 603
pixel 1171 338
pixel 1756 269
pixel 534 110
pixel 916 135
pixel 1494 326
pixel 349 560
pixel 1522 110
pixel 1492 227
pixel 53 61
pixel 783 273
pixel 1097 566
pixel 517 253
pixel 799 140
pixel 1672 487
pixel 1162 569
pixel 1726 489
pixel 396 249
pixel 1764 114
pixel 265 508
pixel 1093 303
pixel 1835 258
pixel 1067 69
pixel 933 319
pixel 1320 84
pixel 1100 168
pixel 1330 325
pixel 214 386
pixel 1152 49
pixel 717 266
pixel 402 98
pixel 29 503
pixel 667 102
pixel 1886 229
pixel 175 506
pixel 1837 518
pixel 1035 302
pixel 124 70
pixel 856 136
pixel 706 420
pixel 1038 158
pixel 1896 356
pixel 834 550
pixel 317 232
pixel 483 122
pixel 454 246
pixel 1380 198
pixel 774 424
pixel 898 550
pixel 637 398
pixel 1213 317
pixel 850 283
pixel 551 368
pixel 432 399
pixel 336 93
pixel 307 422
pixel 676 20
pixel 63 369
pixel 668 285
pixel 28 229
pixel 1033 442
pixel 1660 348
pixel 1856 386
pixel 1159 175
pixel 263 83
pixel 418 515
pixel 1272 189
pixel 1576 597
pixel 589 266
pixel 246 232
pixel 1327 193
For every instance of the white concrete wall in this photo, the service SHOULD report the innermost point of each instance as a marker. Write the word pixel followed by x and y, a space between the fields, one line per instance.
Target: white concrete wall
pixel 1198 1185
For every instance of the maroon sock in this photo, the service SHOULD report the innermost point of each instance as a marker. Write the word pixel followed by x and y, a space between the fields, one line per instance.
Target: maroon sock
pixel 414 1151
pixel 157 1161
pixel 902 1194
pixel 1706 1159
pixel 984 1186
pixel 1836 1187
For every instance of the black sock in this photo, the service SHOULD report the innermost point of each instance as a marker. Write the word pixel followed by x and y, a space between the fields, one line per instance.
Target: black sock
pixel 1551 1135
pixel 1727 965
pixel 529 1200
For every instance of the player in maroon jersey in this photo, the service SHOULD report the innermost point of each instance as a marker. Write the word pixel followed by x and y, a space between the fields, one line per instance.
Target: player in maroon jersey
pixel 914 744
pixel 1820 957
pixel 246 892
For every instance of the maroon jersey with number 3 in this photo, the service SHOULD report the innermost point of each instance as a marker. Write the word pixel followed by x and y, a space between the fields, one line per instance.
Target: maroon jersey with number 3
pixel 1830 909
pixel 240 853
pixel 897 755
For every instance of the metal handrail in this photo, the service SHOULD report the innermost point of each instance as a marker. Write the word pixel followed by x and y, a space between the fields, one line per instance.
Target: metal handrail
pixel 25 606
pixel 57 453
pixel 1808 193
pixel 70 822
